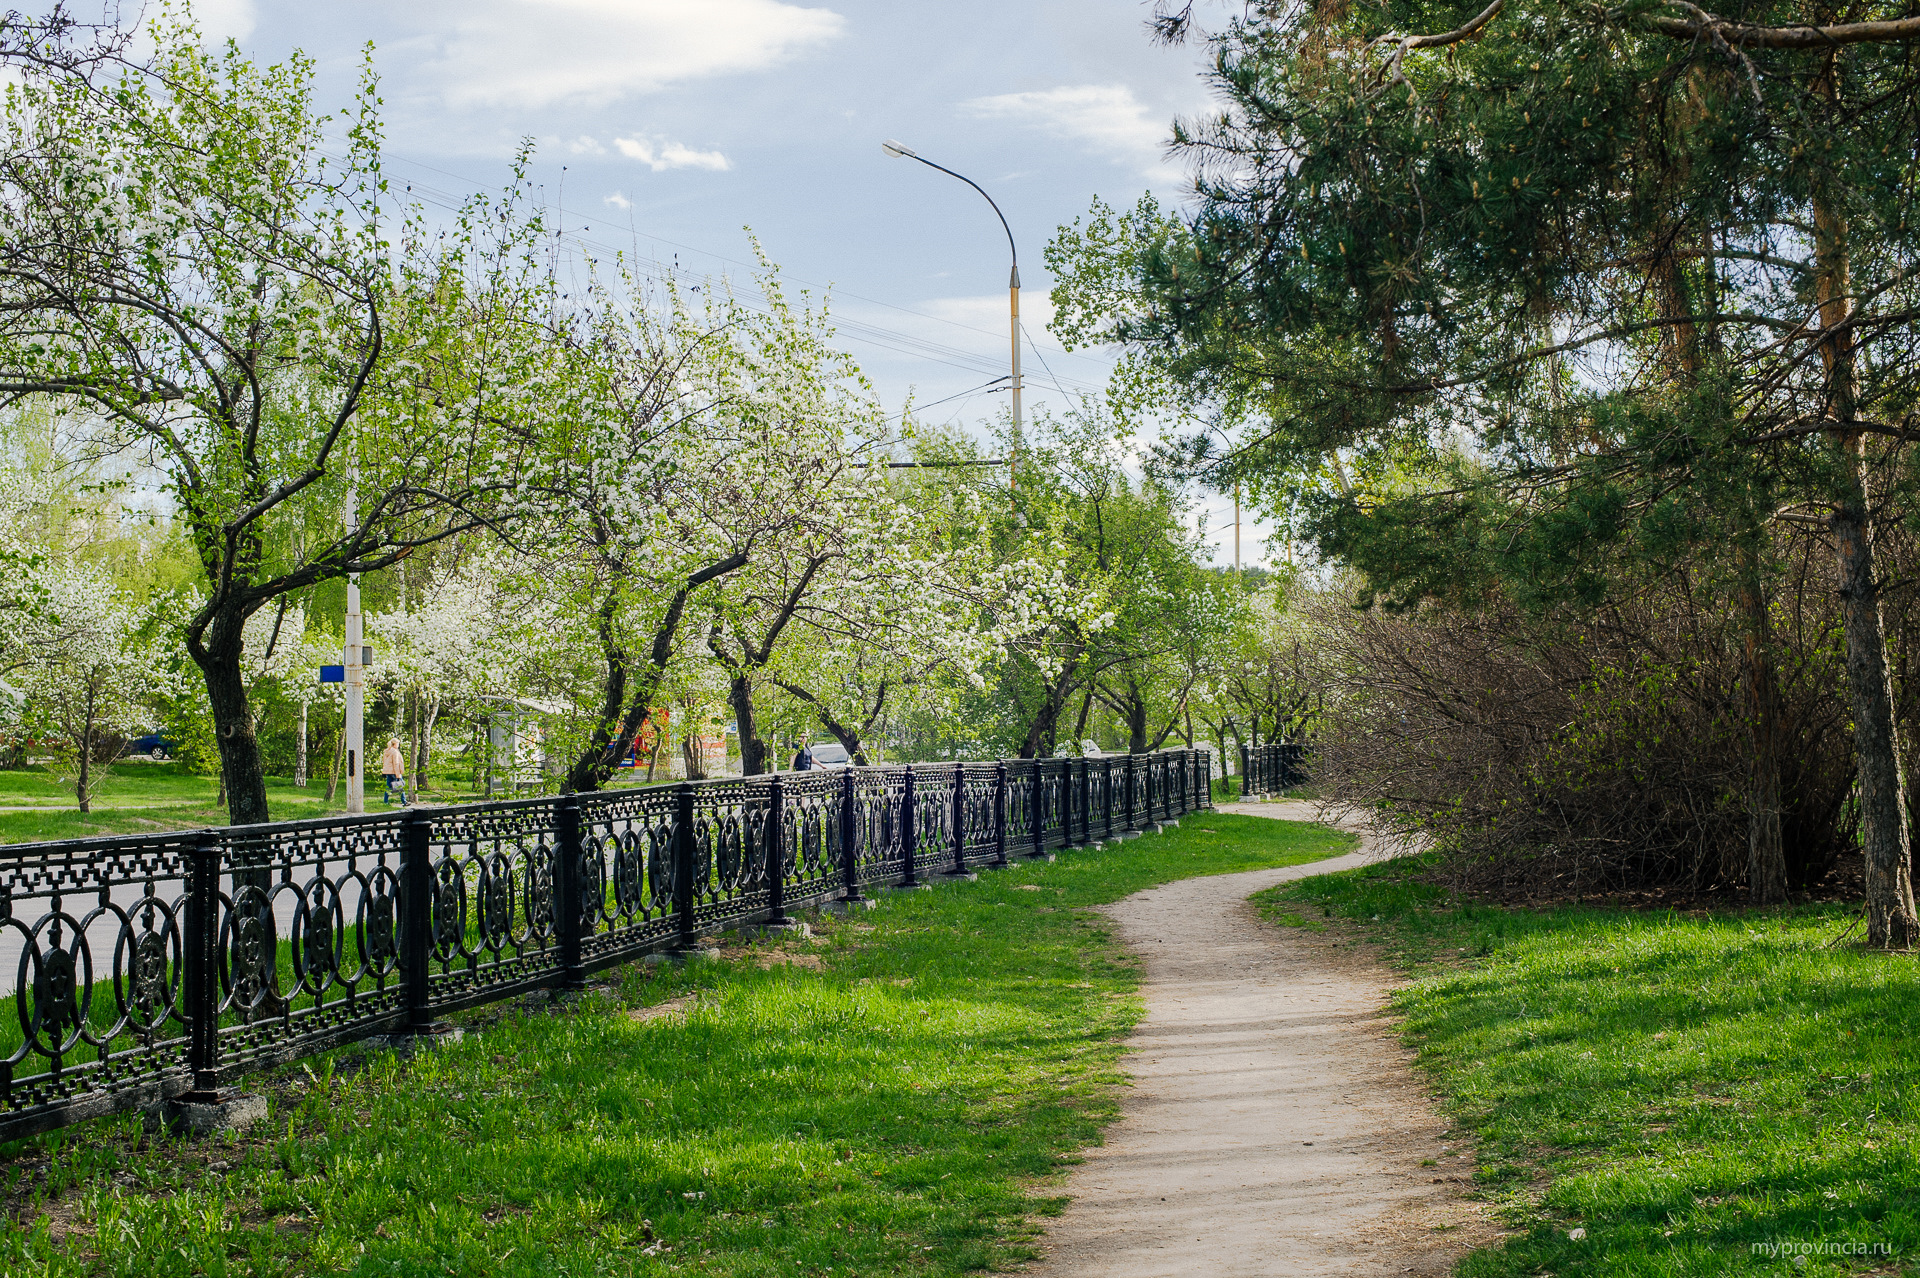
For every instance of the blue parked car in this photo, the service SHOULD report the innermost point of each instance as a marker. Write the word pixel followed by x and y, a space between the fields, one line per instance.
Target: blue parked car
pixel 155 745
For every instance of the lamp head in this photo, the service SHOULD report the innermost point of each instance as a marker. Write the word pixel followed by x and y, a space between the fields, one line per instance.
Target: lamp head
pixel 898 150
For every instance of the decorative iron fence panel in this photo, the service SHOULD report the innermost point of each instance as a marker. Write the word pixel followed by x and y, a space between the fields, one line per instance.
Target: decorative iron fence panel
pixel 979 809
pixel 94 935
pixel 730 878
pixel 1051 783
pixel 494 900
pixel 880 795
pixel 309 936
pixel 1269 768
pixel 811 862
pixel 933 790
pixel 1022 827
pixel 149 968
pixel 629 845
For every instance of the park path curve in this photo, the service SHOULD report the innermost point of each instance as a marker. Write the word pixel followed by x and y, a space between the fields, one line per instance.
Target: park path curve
pixel 1274 1126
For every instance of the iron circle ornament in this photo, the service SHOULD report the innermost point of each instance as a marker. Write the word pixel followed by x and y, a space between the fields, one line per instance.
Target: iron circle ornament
pixel 146 965
pixel 53 992
pixel 447 910
pixel 375 921
pixel 660 866
pixel 629 873
pixel 495 892
pixel 317 933
pixel 249 948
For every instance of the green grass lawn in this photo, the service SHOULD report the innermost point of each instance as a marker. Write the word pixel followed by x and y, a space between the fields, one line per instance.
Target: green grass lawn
pixel 895 1096
pixel 1682 1087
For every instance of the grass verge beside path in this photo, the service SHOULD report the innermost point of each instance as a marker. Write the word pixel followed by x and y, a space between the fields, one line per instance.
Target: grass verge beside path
pixel 1699 1094
pixel 881 1100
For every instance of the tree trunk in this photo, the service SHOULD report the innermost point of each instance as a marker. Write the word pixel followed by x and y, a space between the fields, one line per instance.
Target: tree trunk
pixel 1766 854
pixel 753 751
pixel 86 751
pixel 690 754
pixel 1080 726
pixel 300 751
pixel 629 691
pixel 423 738
pixel 1136 721
pixel 1885 841
pixel 845 733
pixel 243 778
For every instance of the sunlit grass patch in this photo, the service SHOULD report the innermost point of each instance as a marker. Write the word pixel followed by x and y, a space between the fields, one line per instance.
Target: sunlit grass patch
pixel 1693 1093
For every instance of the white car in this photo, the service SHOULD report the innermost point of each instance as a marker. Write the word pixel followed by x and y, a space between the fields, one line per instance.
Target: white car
pixel 830 754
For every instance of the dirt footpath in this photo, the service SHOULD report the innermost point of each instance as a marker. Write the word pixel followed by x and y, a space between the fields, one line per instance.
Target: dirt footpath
pixel 1274 1126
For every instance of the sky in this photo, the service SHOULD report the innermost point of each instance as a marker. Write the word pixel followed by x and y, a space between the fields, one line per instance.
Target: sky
pixel 669 127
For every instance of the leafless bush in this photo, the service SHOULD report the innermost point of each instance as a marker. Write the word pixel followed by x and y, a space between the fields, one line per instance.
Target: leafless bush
pixel 1560 755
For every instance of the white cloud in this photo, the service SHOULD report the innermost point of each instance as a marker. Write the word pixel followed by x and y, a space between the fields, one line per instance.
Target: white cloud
pixel 618 200
pixel 534 53
pixel 1107 117
pixel 658 154
pixel 221 20
pixel 585 145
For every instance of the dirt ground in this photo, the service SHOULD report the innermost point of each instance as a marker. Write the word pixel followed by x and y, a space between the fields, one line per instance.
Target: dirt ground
pixel 1275 1126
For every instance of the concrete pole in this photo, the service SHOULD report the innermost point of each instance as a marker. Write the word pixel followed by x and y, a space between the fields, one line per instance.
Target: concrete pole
pixel 356 702
pixel 1236 532
pixel 1013 287
pixel 356 728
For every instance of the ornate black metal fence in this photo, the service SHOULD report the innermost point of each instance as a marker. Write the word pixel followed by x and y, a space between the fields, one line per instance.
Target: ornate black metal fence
pixel 1267 769
pixel 157 968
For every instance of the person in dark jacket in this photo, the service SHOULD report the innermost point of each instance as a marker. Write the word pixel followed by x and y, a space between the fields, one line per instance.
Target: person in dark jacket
pixel 803 762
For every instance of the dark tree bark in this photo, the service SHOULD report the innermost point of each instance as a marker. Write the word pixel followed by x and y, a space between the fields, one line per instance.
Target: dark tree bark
pixel 630 688
pixel 1885 840
pixel 748 655
pixel 216 649
pixel 753 751
pixel 849 735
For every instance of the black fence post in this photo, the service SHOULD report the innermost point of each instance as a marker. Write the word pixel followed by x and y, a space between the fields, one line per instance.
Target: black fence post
pixel 1106 796
pixel 959 818
pixel 201 980
pixel 683 848
pixel 774 847
pixel 1037 804
pixel 1081 794
pixel 850 834
pixel 908 832
pixel 1246 773
pixel 1133 774
pixel 416 921
pixel 1000 814
pixel 570 891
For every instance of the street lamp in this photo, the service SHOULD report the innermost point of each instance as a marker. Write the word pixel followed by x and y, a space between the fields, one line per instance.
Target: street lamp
pixel 901 151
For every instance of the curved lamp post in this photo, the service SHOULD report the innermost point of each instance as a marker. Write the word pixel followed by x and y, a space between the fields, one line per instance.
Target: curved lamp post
pixel 901 151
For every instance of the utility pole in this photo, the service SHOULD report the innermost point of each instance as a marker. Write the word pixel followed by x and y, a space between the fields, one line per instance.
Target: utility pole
pixel 1013 287
pixel 901 151
pixel 355 726
pixel 1236 530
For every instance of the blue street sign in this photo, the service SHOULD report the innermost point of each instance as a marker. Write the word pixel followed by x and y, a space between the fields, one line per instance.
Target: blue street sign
pixel 333 674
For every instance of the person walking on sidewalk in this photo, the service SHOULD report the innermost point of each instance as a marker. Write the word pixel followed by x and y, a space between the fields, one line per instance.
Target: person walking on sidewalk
pixel 394 769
